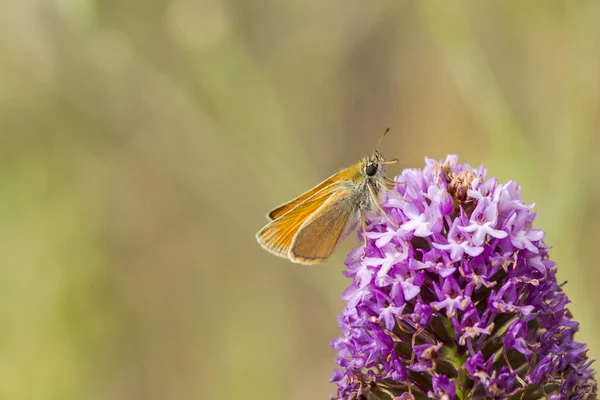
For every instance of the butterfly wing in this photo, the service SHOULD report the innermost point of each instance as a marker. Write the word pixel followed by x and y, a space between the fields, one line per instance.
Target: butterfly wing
pixel 277 236
pixel 316 238
pixel 343 175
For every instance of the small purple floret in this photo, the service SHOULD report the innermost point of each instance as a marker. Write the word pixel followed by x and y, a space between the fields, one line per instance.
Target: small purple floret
pixel 457 299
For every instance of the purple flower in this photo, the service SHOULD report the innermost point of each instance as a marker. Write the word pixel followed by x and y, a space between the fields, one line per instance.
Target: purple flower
pixel 460 301
pixel 423 223
pixel 522 235
pixel 482 222
pixel 450 297
pixel 458 242
pixel 443 388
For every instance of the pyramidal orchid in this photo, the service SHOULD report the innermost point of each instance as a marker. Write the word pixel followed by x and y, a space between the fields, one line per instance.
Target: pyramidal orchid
pixel 455 297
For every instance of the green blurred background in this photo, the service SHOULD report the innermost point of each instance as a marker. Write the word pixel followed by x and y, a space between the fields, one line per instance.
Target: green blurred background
pixel 142 143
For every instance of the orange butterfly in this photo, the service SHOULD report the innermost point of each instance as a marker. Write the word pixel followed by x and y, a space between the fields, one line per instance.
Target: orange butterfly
pixel 306 229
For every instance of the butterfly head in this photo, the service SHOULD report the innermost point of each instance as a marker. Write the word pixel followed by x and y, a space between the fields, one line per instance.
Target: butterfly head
pixel 374 165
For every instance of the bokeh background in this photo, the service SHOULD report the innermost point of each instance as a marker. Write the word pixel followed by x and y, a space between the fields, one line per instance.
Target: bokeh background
pixel 143 141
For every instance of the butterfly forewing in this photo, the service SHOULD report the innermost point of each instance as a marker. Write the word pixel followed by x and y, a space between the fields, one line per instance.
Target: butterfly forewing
pixel 345 174
pixel 278 235
pixel 317 237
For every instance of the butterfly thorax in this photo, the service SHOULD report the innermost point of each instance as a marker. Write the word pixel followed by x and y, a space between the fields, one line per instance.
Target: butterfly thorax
pixel 372 172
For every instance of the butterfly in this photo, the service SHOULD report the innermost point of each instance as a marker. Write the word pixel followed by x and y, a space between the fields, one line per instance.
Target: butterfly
pixel 306 229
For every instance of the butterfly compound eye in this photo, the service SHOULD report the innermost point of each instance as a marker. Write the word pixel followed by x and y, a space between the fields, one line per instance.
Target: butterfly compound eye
pixel 371 169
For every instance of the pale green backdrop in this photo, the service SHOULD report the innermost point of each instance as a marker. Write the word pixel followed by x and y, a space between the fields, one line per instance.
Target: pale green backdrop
pixel 143 141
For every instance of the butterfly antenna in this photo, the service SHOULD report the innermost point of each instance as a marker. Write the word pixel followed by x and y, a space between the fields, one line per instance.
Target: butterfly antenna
pixel 382 136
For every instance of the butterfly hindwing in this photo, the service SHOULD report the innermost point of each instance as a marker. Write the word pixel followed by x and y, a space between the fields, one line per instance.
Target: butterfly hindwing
pixel 317 237
pixel 278 235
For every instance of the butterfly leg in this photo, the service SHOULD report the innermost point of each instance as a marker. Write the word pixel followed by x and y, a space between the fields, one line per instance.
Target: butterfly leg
pixel 389 184
pixel 378 205
pixel 396 194
pixel 392 182
pixel 363 223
